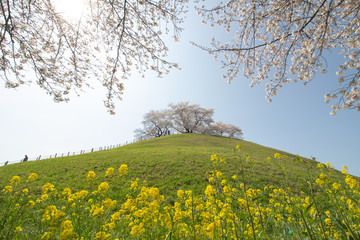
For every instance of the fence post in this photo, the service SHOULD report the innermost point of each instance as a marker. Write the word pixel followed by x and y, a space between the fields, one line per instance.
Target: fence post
pixel 68 153
pixel 55 155
pixel 92 149
pixel 39 157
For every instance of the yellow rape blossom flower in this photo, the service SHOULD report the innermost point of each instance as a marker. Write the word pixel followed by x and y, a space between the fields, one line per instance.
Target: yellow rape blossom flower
pixel 278 217
pixel 336 186
pixel 53 214
pixel 109 172
pixel 123 170
pixel 329 166
pixel 322 179
pixel 214 158
pixel 108 203
pixel 108 226
pixel 91 176
pixel 67 230
pixel 48 188
pixel 115 217
pixel 181 194
pixel 328 221
pixel 350 203
pixel 350 181
pixel 80 195
pixel 15 180
pixel 327 213
pixel 44 197
pixel 189 193
pixel 134 184
pixel 25 191
pixel 103 187
pixel 66 192
pixel 31 203
pixel 344 170
pixel 137 230
pixel 7 189
pixel 227 190
pixel 102 235
pixel 18 229
pixel 47 236
pixel 96 211
pixel 210 191
pixel 32 176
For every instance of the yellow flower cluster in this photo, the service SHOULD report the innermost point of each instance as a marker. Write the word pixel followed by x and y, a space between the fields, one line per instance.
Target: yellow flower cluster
pixel 91 176
pixel 109 172
pixel 15 180
pixel 48 188
pixel 103 187
pixel 229 208
pixel 217 160
pixel 123 170
pixel 32 176
pixel 7 189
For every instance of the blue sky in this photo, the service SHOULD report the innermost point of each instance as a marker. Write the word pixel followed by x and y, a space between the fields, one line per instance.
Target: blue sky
pixel 297 121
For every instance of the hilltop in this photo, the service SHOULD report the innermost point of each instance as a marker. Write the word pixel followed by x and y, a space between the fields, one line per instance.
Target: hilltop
pixel 171 163
pixel 256 193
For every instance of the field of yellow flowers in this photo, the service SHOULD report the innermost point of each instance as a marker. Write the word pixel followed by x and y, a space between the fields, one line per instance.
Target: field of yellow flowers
pixel 229 208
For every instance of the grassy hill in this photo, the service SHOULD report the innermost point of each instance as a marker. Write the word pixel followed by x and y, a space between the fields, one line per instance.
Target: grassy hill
pixel 257 193
pixel 169 163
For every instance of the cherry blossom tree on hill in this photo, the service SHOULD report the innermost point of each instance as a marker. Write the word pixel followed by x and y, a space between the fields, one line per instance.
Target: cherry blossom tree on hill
pixel 288 40
pixel 190 118
pixel 156 124
pixel 223 129
pixel 106 43
pixel 184 117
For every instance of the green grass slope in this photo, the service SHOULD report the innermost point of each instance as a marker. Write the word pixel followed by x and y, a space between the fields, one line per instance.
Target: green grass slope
pixel 169 163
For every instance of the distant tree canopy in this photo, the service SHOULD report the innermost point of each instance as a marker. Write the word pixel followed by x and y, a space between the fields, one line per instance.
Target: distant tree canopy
pixel 274 41
pixel 156 124
pixel 184 117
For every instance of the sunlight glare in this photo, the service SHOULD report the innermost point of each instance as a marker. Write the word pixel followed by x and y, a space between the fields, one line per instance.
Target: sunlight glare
pixel 72 9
